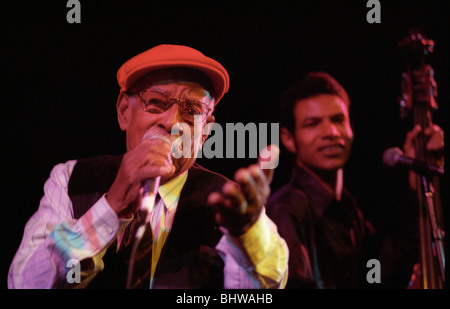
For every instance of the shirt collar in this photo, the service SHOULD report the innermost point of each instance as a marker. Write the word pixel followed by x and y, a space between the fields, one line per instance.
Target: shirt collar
pixel 320 197
pixel 170 192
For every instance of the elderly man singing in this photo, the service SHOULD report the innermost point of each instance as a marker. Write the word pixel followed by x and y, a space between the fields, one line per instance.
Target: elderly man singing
pixel 95 227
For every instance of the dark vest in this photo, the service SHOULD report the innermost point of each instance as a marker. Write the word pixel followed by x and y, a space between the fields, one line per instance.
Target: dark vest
pixel 188 259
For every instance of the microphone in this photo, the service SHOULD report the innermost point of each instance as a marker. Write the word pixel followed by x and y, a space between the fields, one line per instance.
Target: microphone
pixel 393 157
pixel 150 186
pixel 149 191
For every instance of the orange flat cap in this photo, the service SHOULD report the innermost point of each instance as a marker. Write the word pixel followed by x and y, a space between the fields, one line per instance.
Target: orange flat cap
pixel 173 56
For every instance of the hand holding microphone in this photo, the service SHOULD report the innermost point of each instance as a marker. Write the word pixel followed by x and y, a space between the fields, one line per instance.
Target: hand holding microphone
pixel 140 170
pixel 151 185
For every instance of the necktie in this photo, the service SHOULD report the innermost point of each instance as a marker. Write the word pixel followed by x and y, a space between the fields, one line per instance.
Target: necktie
pixel 160 232
pixel 141 248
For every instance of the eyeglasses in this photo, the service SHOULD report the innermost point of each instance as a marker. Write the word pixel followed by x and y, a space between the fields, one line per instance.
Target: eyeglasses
pixel 157 103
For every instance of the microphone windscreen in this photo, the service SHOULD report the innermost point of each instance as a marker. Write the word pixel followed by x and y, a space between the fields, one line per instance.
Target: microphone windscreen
pixel 156 132
pixel 390 156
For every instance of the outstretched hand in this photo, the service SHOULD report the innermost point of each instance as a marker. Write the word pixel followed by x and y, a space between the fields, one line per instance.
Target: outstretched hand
pixel 240 203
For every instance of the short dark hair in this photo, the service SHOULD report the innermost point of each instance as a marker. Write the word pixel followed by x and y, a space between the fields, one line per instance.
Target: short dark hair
pixel 312 84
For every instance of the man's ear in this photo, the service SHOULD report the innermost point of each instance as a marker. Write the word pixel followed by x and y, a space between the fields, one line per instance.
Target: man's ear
pixel 288 140
pixel 123 107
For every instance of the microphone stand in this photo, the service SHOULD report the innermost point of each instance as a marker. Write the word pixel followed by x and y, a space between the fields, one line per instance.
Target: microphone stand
pixel 150 189
pixel 436 231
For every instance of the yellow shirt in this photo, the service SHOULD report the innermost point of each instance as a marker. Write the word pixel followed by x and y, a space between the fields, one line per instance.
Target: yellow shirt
pixel 260 247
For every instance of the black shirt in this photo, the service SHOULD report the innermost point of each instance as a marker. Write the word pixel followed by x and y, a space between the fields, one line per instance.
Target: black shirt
pixel 330 241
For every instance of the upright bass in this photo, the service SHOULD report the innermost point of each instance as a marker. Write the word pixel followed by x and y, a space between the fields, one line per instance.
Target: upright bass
pixel 419 91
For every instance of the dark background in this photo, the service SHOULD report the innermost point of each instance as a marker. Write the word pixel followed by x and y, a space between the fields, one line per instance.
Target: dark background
pixel 58 89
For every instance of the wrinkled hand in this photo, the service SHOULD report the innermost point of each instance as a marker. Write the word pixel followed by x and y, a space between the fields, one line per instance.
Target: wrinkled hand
pixel 239 205
pixel 435 146
pixel 149 159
